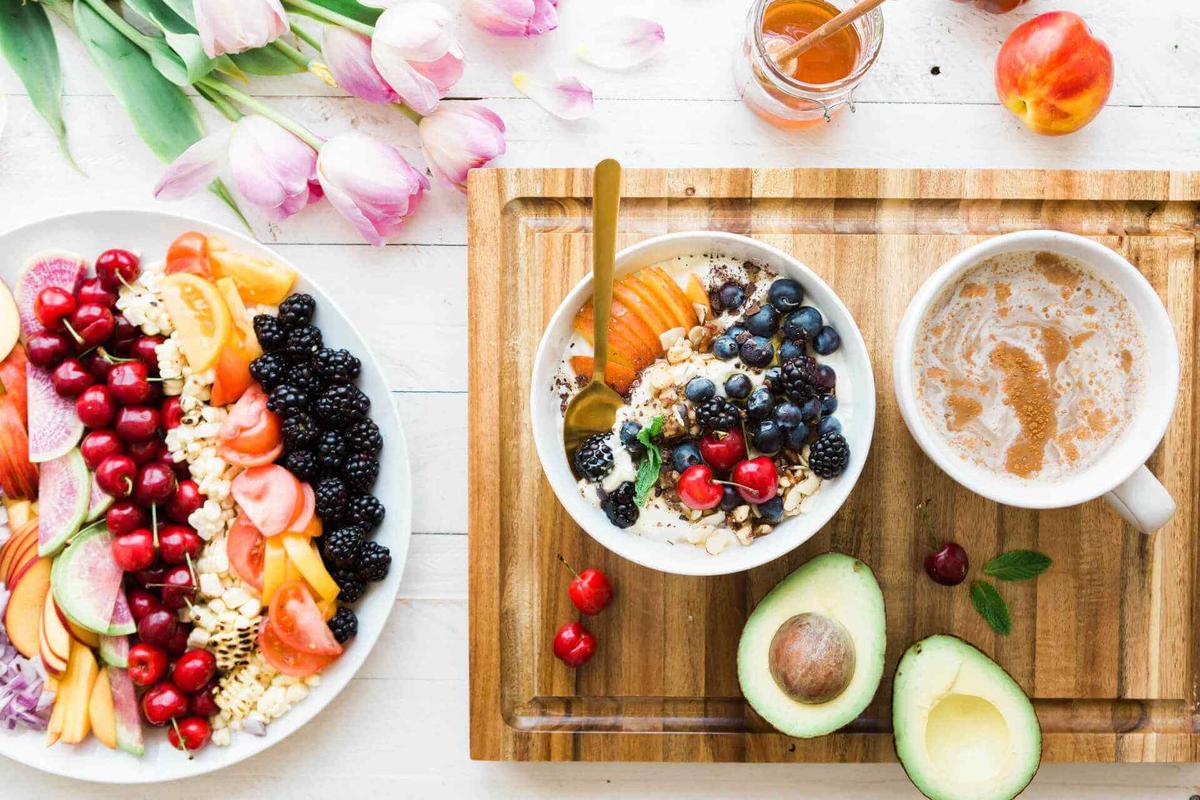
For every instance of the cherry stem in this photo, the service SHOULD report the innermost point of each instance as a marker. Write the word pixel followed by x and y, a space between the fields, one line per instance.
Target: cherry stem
pixel 70 330
pixel 110 358
pixel 923 507
pixel 737 485
pixel 568 566
pixel 124 282
pixel 154 522
pixel 179 735
pixel 191 569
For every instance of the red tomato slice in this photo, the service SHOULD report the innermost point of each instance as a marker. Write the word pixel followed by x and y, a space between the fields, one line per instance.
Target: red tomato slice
pixel 305 511
pixel 239 459
pixel 296 620
pixel 269 495
pixel 246 548
pixel 288 660
pixel 189 253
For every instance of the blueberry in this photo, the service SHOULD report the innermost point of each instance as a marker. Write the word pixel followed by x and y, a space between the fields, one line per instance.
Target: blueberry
pixel 786 295
pixel 685 455
pixel 788 416
pixel 700 389
pixel 767 437
pixel 797 437
pixel 730 499
pixel 763 322
pixel 827 341
pixel 629 432
pixel 811 410
pixel 789 350
pixel 760 404
pixel 826 377
pixel 738 386
pixel 725 348
pixel 802 324
pixel 828 404
pixel 736 330
pixel 731 296
pixel 757 351
pixel 828 424
pixel 771 376
pixel 772 510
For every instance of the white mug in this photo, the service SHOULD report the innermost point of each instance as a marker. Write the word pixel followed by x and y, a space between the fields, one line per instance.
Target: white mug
pixel 1119 474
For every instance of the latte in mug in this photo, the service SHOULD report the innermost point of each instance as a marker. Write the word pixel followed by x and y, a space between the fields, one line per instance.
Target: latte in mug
pixel 1030 365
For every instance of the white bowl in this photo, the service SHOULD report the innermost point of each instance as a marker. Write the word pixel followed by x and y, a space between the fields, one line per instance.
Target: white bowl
pixel 856 410
pixel 89 234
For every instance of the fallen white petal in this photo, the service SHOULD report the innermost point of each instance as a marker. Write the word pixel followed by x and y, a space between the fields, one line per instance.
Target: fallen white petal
pixel 566 98
pixel 622 42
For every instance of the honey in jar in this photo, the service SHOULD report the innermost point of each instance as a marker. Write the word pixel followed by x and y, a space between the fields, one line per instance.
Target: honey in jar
pixel 828 61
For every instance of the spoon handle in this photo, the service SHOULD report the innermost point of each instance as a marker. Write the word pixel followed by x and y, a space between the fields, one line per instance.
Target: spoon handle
pixel 606 203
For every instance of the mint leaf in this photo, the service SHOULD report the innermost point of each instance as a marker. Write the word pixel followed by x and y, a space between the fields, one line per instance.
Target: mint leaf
pixel 647 434
pixel 1018 565
pixel 650 466
pixel 991 607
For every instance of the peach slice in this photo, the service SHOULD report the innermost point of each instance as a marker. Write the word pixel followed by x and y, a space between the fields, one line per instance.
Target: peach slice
pixel 696 293
pixel 637 328
pixel 622 347
pixel 680 300
pixel 23 617
pixel 627 292
pixel 662 299
pixel 619 377
pixel 101 711
pixel 76 692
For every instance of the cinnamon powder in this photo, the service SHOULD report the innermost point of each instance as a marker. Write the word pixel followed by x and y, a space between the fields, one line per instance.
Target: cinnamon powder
pixel 1027 391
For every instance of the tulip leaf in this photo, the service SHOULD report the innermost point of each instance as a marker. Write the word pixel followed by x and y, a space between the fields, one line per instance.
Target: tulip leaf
pixel 266 61
pixel 27 42
pixel 179 32
pixel 352 9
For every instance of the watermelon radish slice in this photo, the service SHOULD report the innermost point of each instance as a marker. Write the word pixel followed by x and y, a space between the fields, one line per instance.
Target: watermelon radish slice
pixel 64 270
pixel 98 502
pixel 125 704
pixel 121 623
pixel 114 650
pixel 86 583
pixel 54 427
pixel 64 488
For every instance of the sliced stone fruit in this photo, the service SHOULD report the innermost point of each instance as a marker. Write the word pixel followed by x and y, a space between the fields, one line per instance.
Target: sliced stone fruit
pixel 65 488
pixel 618 376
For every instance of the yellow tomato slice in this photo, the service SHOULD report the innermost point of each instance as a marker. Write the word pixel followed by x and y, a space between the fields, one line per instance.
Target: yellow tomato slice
pixel 200 315
pixel 301 553
pixel 274 568
pixel 259 280
pixel 242 322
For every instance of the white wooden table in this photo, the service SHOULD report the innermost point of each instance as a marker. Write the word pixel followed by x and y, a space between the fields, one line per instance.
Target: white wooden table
pixel 400 730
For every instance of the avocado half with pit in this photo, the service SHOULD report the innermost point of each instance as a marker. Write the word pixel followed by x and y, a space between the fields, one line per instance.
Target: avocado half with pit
pixel 811 654
pixel 964 729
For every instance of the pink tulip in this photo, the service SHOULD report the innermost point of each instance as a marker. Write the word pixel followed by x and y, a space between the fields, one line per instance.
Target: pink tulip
pixel 416 52
pixel 513 17
pixel 370 184
pixel 348 56
pixel 459 139
pixel 271 168
pixel 235 26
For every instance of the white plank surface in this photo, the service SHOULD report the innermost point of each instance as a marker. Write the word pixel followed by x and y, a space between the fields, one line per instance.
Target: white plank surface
pixel 401 728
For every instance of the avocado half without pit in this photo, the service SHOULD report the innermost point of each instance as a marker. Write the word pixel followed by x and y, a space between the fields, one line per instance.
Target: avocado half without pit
pixel 811 654
pixel 964 729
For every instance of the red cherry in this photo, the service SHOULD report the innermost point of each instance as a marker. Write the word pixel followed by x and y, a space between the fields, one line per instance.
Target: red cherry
pixel 147 664
pixel 124 516
pixel 145 349
pixel 146 451
pixel 155 484
pixel 137 423
pixel 947 566
pixel 142 602
pixel 756 480
pixel 98 364
pixel 172 413
pixel 574 645
pixel 52 305
pixel 151 578
pixel 163 703
pixel 70 378
pixel 134 551
pixel 176 543
pixel 129 383
pixel 92 291
pixel 117 267
pixel 723 450
pixel 186 500
pixel 589 590
pixel 193 670
pixel 696 488
pixel 158 627
pixel 178 589
pixel 93 324
pixel 99 445
pixel 190 734
pixel 125 334
pixel 116 475
pixel 177 644
pixel 204 702
pixel 47 349
pixel 95 407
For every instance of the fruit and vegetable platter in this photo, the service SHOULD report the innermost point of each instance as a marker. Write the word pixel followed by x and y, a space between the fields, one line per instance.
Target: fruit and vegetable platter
pixel 190 513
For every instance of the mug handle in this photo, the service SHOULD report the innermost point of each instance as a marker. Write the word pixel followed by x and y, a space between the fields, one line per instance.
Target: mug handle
pixel 1143 501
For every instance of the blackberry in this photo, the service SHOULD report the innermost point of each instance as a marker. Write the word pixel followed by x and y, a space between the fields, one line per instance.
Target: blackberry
pixel 286 400
pixel 829 455
pixel 299 431
pixel 352 587
pixel 718 414
pixel 332 498
pixel 594 459
pixel 342 547
pixel 365 437
pixel 341 405
pixel 302 464
pixel 297 310
pixel 798 379
pixel 366 511
pixel 302 343
pixel 337 366
pixel 304 378
pixel 374 561
pixel 344 625
pixel 270 332
pixel 619 505
pixel 361 471
pixel 269 370
pixel 331 452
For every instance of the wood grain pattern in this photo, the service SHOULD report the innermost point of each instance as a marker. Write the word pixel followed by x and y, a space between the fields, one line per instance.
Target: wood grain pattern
pixel 1104 642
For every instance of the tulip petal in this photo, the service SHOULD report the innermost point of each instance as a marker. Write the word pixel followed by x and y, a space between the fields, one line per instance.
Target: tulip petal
pixel 417 91
pixel 235 26
pixel 460 138
pixel 566 98
pixel 271 167
pixel 348 57
pixel 623 42
pixel 513 17
pixel 370 184
pixel 196 167
pixel 419 31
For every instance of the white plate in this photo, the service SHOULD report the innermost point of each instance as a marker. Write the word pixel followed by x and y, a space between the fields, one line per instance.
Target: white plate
pixel 149 232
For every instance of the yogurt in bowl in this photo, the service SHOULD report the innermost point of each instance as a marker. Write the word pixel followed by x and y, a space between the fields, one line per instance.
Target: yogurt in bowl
pixel 743 372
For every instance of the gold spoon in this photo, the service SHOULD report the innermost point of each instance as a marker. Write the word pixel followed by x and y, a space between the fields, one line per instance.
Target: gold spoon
pixel 594 409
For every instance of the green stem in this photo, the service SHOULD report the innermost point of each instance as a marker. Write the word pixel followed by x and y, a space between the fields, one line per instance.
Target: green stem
pixel 408 112
pixel 117 21
pixel 306 37
pixel 228 109
pixel 246 100
pixel 323 14
pixel 291 53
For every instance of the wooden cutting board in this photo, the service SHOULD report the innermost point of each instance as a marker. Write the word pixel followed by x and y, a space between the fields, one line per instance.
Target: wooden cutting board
pixel 1105 642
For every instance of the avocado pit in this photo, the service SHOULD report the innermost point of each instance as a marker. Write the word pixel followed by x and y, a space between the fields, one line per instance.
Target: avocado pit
pixel 811 658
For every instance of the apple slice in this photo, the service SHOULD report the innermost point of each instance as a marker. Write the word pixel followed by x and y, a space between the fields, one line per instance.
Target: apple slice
pixel 55 726
pixel 10 321
pixel 83 635
pixel 55 638
pixel 16 552
pixel 23 617
pixel 54 664
pixel 19 513
pixel 101 711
